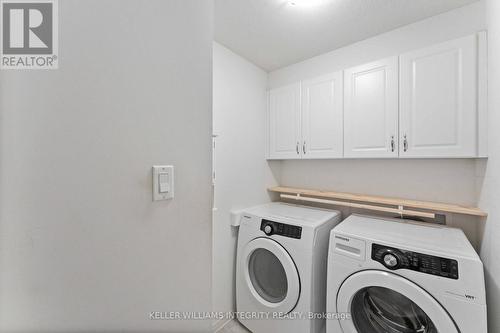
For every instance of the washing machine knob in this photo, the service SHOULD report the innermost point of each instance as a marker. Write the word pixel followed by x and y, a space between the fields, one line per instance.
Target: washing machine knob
pixel 390 260
pixel 268 229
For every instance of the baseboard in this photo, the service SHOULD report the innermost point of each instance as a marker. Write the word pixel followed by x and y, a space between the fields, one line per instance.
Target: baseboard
pixel 219 324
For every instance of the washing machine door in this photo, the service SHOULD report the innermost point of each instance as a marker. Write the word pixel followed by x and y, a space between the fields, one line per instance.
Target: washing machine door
pixel 382 302
pixel 271 276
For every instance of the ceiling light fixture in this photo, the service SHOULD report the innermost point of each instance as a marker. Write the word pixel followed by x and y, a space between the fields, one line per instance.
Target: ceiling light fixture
pixel 307 3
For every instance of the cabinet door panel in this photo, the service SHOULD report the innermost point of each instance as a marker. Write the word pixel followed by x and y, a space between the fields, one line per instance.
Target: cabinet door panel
pixel 371 109
pixel 284 122
pixel 322 113
pixel 438 111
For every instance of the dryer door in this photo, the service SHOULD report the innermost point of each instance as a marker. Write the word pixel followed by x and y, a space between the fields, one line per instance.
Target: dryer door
pixel 381 302
pixel 271 275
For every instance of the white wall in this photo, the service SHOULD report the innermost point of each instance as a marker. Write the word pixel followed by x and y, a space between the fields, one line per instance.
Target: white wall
pixel 82 246
pixel 489 173
pixel 452 180
pixel 241 169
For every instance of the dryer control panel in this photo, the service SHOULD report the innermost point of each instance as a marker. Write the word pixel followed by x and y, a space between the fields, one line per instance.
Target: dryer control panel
pixel 394 259
pixel 281 229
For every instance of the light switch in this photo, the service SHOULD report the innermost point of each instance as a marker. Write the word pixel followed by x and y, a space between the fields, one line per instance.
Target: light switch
pixel 163 182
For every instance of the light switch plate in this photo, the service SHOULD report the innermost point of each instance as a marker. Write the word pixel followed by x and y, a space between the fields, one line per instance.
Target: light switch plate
pixel 163 182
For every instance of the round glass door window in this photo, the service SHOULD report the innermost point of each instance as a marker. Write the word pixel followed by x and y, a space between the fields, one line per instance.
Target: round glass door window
pixel 267 275
pixel 382 310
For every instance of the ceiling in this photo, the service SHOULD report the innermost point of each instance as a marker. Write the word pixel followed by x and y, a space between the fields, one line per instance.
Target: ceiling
pixel 276 33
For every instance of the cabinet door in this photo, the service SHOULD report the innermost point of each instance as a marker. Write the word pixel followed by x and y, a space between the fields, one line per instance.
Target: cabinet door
pixel 371 110
pixel 322 113
pixel 284 122
pixel 438 110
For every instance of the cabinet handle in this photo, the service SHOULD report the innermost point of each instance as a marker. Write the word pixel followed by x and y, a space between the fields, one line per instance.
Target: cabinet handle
pixel 405 143
pixel 304 147
pixel 297 148
pixel 393 146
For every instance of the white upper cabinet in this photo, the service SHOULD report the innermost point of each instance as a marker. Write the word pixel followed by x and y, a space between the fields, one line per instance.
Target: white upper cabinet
pixel 284 122
pixel 322 112
pixel 371 109
pixel 427 103
pixel 438 100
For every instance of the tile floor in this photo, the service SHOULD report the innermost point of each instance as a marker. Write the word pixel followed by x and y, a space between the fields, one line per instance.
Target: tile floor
pixel 233 327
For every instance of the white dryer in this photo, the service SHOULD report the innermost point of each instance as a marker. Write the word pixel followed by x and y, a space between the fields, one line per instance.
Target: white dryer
pixel 281 267
pixel 401 276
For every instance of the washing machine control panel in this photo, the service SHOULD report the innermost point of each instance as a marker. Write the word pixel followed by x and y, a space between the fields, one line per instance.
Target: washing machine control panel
pixel 281 229
pixel 394 259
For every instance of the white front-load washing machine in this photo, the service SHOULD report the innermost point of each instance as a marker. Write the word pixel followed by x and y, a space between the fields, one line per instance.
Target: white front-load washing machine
pixel 396 276
pixel 281 267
